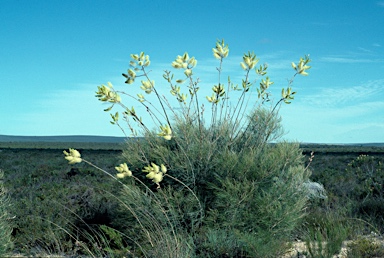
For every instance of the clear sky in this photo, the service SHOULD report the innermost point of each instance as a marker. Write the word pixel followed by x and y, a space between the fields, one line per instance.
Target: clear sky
pixel 54 54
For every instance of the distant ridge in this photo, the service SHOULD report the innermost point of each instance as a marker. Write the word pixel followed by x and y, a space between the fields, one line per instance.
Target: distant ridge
pixel 115 139
pixel 371 144
pixel 66 138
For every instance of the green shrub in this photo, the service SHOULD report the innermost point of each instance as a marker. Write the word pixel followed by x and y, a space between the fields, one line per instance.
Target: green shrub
pixel 325 233
pixel 50 207
pixel 365 248
pixel 264 201
pixel 355 185
pixel 220 187
pixel 6 242
pixel 368 178
pixel 366 174
pixel 219 243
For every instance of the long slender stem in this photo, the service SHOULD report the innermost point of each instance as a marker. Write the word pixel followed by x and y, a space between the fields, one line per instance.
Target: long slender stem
pixel 158 97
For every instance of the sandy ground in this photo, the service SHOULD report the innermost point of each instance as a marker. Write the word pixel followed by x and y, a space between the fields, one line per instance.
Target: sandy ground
pixel 299 248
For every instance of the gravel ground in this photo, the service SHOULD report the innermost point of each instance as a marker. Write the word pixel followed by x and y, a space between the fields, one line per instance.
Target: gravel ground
pixel 299 249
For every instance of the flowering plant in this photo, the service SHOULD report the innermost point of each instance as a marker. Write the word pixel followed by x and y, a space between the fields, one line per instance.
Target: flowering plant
pixel 218 165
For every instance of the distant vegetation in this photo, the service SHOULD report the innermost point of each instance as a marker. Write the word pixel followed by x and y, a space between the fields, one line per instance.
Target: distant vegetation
pixel 117 143
pixel 69 138
pixel 47 194
pixel 62 142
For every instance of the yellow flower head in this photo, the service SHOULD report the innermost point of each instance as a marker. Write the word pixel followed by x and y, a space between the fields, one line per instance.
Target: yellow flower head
pixel 123 171
pixel 155 172
pixel 150 175
pixel 73 156
pixel 107 94
pixel 221 50
pixel 163 168
pixel 166 132
pixel 120 175
pixel 158 178
pixel 302 66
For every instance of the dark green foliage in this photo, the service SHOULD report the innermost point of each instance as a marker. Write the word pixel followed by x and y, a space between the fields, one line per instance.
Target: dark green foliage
pixel 369 178
pixel 263 127
pixel 51 203
pixel 153 221
pixel 33 174
pixel 6 242
pixel 325 232
pixel 265 201
pixel 252 192
pixel 114 242
pixel 219 243
pixel 356 182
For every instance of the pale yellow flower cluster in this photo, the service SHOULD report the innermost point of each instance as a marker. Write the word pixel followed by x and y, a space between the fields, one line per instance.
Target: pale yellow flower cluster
pixel 107 93
pixel 155 172
pixel 287 95
pixel 147 86
pixel 221 50
pixel 73 156
pixel 123 171
pixel 218 92
pixel 166 132
pixel 302 66
pixel 249 61
pixel 185 63
pixel 138 62
pixel 188 64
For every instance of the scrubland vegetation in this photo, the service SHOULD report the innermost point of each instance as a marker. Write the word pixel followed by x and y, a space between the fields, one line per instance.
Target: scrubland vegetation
pixel 212 179
pixel 80 201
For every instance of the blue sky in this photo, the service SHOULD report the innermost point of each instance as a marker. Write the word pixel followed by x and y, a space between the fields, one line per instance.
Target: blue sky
pixel 54 54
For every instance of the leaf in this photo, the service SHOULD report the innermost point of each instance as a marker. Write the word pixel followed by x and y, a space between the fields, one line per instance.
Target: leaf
pixel 108 109
pixel 216 54
pixel 135 57
pixel 185 56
